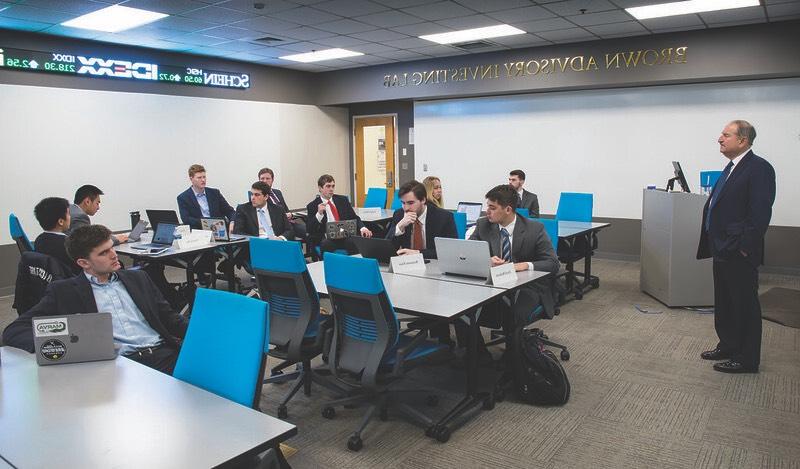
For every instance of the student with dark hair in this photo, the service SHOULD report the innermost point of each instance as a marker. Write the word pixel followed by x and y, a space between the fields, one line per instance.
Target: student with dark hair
pixel 415 226
pixel 146 329
pixel 86 204
pixel 528 200
pixel 52 213
pixel 267 176
pixel 326 207
pixel 260 218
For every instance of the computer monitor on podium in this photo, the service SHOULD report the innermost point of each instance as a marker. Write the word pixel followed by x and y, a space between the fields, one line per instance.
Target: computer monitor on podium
pixel 679 176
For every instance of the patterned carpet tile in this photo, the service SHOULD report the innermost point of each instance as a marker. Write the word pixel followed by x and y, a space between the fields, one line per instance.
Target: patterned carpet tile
pixel 716 456
pixel 692 376
pixel 777 392
pixel 746 426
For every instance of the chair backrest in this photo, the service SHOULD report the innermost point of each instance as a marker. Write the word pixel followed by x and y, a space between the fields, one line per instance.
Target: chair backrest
pixel 18 234
pixel 223 351
pixel 551 227
pixel 376 197
pixel 396 202
pixel 366 326
pixel 575 206
pixel 461 224
pixel 524 212
pixel 284 282
pixel 35 272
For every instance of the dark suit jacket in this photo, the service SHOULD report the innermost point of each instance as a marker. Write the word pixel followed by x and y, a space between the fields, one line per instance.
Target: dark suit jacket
pixel 316 229
pixel 53 245
pixel 281 200
pixel 740 213
pixel 190 211
pixel 531 202
pixel 529 244
pixel 438 223
pixel 247 221
pixel 74 295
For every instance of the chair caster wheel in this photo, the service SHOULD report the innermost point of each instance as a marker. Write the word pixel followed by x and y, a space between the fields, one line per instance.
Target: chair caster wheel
pixel 354 443
pixel 282 412
pixel 432 400
pixel 564 355
pixel 328 413
pixel 488 403
pixel 578 296
pixel 442 434
pixel 557 311
pixel 430 432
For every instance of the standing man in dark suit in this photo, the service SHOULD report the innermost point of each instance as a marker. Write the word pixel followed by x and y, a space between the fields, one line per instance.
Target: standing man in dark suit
pixel 259 218
pixel 146 328
pixel 415 226
pixel 199 201
pixel 326 207
pixel 516 179
pixel 87 204
pixel 52 213
pixel 267 176
pixel 735 220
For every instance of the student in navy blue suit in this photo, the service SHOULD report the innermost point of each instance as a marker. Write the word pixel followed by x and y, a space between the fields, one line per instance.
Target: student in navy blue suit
pixel 199 201
pixel 735 219
pixel 415 226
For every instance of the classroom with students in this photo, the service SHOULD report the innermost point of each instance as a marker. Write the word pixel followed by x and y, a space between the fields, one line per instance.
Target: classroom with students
pixel 399 234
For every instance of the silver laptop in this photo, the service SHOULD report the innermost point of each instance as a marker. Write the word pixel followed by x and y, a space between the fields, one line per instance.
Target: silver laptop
pixel 219 228
pixel 136 233
pixel 73 338
pixel 463 257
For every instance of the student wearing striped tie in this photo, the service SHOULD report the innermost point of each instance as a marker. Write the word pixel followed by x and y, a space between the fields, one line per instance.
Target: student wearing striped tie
pixel 328 207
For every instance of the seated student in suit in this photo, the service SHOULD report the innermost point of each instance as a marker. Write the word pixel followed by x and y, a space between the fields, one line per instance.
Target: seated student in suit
pixel 260 218
pixel 512 238
pixel 516 179
pixel 415 226
pixel 52 213
pixel 146 328
pixel 267 176
pixel 326 207
pixel 199 201
pixel 433 185
pixel 86 204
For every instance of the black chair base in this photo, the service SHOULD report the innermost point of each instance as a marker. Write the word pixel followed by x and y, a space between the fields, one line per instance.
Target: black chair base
pixel 304 377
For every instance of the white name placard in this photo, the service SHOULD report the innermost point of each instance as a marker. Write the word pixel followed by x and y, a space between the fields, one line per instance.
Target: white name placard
pixel 407 264
pixel 194 239
pixel 504 274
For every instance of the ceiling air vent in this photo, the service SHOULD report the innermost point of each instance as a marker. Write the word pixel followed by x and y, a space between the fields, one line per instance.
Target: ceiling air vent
pixel 268 40
pixel 473 45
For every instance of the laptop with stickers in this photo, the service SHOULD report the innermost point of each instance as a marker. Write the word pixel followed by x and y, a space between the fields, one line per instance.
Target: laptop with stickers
pixel 73 338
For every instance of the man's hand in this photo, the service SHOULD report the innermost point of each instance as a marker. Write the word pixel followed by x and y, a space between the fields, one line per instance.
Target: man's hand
pixel 406 251
pixel 122 238
pixel 408 219
pixel 321 208
pixel 497 261
pixel 365 232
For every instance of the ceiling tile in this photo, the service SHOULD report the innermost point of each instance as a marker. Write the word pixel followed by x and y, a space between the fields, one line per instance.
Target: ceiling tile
pixel 519 40
pixel 217 15
pixel 440 51
pixel 182 24
pixel 574 7
pixel 306 46
pixel 683 28
pixel 350 8
pixel 59 30
pixel 368 59
pixel 728 16
pixel 402 55
pixel 198 39
pixel 270 6
pixel 484 6
pixel 628 27
pixel 306 16
pixel 244 56
pixel 636 3
pixel 545 25
pixel 388 19
pixel 238 46
pixel 439 11
pixel 265 25
pixel 154 32
pixel 606 17
pixel 521 14
pixel 409 43
pixel 679 21
pixel 79 7
pixel 345 26
pixel 567 35
pixel 170 7
pixel 400 3
pixel 343 41
pixel 783 9
pixel 230 32
pixel 39 15
pixel 374 48
pixel 468 22
pixel 306 33
pixel 379 35
pixel 421 29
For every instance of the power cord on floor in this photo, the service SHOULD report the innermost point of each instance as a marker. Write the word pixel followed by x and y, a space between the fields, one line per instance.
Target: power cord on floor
pixel 644 310
pixel 700 310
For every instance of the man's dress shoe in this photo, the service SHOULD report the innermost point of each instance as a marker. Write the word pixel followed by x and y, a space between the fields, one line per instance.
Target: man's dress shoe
pixel 715 354
pixel 732 366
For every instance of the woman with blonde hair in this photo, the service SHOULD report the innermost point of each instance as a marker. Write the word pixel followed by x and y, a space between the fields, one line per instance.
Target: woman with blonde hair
pixel 433 186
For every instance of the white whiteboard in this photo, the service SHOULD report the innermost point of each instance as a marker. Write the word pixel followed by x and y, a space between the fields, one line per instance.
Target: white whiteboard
pixel 138 147
pixel 608 142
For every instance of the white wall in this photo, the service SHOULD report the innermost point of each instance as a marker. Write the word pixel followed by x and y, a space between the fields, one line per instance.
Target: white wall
pixel 137 149
pixel 608 142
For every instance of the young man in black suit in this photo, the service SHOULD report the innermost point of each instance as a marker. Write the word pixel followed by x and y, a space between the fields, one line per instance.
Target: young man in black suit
pixel 199 201
pixel 735 220
pixel 415 226
pixel 146 328
pixel 528 200
pixel 267 176
pixel 259 218
pixel 52 213
pixel 326 207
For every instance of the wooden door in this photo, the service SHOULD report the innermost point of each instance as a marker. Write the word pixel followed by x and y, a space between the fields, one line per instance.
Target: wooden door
pixel 374 155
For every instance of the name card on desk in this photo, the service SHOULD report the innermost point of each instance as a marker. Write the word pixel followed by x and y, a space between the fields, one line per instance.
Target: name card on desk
pixel 194 239
pixel 503 274
pixel 183 230
pixel 407 264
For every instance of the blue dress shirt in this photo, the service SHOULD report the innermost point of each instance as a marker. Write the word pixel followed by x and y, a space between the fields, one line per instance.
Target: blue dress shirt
pixel 202 200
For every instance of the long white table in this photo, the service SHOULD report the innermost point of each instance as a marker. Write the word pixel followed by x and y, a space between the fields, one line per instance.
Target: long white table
pixel 432 271
pixel 121 414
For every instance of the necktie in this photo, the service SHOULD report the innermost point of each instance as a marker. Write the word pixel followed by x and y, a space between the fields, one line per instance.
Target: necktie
pixel 505 245
pixel 334 212
pixel 265 226
pixel 417 241
pixel 717 191
pixel 274 198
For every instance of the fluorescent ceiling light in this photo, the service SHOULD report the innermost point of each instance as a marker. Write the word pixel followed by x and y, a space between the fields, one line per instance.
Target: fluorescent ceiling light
pixel 473 34
pixel 687 7
pixel 114 19
pixel 316 56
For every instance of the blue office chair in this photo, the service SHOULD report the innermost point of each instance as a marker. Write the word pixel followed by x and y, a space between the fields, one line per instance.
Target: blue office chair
pixel 223 351
pixel 524 212
pixel 297 331
pixel 461 224
pixel 18 234
pixel 376 197
pixel 551 227
pixel 396 202
pixel 368 351
pixel 575 206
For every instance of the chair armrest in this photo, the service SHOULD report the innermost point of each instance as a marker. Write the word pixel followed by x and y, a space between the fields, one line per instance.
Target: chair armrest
pixel 402 352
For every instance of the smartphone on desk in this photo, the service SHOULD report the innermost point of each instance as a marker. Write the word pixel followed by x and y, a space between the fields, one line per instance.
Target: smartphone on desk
pixel 150 250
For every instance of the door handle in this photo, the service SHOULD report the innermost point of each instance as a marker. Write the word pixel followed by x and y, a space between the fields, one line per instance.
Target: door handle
pixel 390 179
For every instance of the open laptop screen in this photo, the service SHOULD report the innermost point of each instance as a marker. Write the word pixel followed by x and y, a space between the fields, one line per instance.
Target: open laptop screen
pixel 472 209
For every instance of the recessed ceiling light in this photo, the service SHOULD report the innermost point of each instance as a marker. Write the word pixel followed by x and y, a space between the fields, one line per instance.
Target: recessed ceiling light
pixel 114 19
pixel 316 56
pixel 473 34
pixel 687 7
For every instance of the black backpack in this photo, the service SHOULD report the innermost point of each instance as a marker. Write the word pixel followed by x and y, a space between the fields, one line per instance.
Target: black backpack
pixel 539 377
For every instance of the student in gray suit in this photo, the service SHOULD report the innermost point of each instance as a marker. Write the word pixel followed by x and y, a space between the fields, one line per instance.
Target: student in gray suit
pixel 511 238
pixel 86 204
pixel 516 179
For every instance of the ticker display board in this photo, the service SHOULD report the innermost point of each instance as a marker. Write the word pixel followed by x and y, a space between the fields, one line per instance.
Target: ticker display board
pixel 112 67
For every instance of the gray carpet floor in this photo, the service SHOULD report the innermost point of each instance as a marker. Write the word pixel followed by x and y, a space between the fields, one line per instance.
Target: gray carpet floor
pixel 641 397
